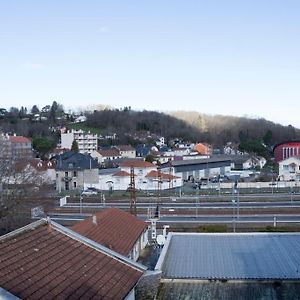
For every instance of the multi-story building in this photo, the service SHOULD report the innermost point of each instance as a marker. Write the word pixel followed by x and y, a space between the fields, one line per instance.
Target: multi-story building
pixel 15 147
pixel 75 171
pixel 87 141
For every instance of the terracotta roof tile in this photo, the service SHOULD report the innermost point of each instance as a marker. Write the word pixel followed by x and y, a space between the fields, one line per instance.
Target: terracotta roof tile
pixel 109 153
pixel 46 264
pixel 136 164
pixel 19 139
pixel 122 173
pixel 115 229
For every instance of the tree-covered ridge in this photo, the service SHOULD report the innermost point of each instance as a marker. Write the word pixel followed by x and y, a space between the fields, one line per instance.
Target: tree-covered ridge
pixel 218 129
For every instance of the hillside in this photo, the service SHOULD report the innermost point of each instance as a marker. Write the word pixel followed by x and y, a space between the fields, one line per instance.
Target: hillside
pixel 218 129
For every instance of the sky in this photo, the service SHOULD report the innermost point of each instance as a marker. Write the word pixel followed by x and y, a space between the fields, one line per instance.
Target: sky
pixel 228 57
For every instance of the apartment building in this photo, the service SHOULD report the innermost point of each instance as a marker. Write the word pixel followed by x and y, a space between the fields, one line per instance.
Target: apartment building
pixel 87 141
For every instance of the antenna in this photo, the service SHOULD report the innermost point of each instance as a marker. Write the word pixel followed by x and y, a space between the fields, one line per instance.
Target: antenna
pixel 170 175
pixel 133 209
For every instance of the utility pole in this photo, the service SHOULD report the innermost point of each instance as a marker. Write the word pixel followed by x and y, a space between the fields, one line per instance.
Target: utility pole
pixel 133 209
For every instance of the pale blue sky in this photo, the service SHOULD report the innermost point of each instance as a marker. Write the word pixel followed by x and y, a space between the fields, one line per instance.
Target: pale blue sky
pixel 219 57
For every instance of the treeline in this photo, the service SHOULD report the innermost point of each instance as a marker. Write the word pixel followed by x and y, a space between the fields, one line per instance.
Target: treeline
pixel 126 122
pixel 218 130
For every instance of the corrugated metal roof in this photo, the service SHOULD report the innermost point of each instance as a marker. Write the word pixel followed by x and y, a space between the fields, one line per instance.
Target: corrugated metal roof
pixel 233 256
pixel 229 290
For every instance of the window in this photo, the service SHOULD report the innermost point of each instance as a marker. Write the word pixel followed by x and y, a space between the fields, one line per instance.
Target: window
pixel 285 167
pixel 74 184
pixel 66 174
pixel 71 165
pixel 75 174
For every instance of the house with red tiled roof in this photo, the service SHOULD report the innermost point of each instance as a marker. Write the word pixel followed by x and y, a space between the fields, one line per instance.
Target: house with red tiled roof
pixel 145 173
pixel 117 230
pixel 45 260
pixel 31 171
pixel 106 155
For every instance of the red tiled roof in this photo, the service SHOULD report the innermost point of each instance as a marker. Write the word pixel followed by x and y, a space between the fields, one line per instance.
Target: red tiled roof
pixel 45 263
pixel 115 229
pixel 164 176
pixel 37 164
pixel 136 164
pixel 109 153
pixel 122 173
pixel 19 139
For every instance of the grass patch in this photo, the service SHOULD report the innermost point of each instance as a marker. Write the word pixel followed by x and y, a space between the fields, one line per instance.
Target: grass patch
pixel 83 126
pixel 277 229
pixel 212 228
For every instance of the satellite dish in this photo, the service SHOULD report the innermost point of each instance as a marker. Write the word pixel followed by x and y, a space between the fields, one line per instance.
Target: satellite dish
pixel 160 240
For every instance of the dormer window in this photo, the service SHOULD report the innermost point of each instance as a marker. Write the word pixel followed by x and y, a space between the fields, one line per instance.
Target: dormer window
pixel 71 165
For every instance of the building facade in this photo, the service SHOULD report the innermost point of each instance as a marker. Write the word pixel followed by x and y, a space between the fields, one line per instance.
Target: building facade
pixel 289 169
pixel 87 141
pixel 75 171
pixel 286 149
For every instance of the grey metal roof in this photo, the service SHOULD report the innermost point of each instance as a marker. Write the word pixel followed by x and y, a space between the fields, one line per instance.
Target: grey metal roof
pixel 233 256
pixel 75 161
pixel 174 290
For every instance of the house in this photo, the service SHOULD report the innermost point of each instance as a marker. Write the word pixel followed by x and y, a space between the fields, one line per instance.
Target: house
pixel 289 169
pixel 246 162
pixel 16 147
pixel 126 151
pixel 87 141
pixel 33 171
pixel 230 266
pixel 117 230
pixel 45 260
pixel 106 155
pixel 203 148
pixel 142 150
pixel 80 119
pixel 75 171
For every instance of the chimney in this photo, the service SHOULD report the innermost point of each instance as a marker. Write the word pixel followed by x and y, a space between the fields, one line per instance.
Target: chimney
pixel 94 220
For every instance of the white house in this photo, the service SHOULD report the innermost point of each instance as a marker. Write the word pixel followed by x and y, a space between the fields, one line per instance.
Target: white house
pixel 126 151
pixel 289 169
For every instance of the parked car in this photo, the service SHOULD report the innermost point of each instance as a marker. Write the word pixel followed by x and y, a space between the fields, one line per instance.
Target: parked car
pixel 90 191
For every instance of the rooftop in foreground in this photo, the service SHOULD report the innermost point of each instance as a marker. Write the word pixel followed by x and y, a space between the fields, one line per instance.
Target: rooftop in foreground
pixel 45 260
pixel 231 256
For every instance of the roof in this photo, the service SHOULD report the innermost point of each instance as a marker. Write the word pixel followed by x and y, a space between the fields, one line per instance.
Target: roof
pixel 121 174
pixel 196 161
pixel 109 152
pixel 163 176
pixel 115 229
pixel 75 161
pixel 237 256
pixel 19 139
pixel 138 163
pixel 228 290
pixel 36 163
pixel 286 142
pixel 125 148
pixel 45 260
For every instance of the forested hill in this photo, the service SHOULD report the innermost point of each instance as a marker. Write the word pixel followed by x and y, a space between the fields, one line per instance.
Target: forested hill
pixel 192 126
pixel 127 121
pixel 219 129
